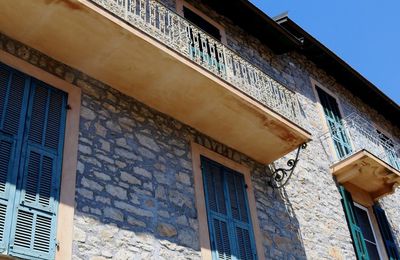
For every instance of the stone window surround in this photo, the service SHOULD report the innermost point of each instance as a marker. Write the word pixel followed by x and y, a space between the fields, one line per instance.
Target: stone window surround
pixel 67 190
pixel 197 151
pixel 373 227
pixel 182 3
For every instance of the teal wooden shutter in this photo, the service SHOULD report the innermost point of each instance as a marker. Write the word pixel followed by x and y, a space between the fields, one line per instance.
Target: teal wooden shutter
pixel 231 233
pixel 33 231
pixel 334 120
pixel 241 223
pixel 218 222
pixel 386 233
pixel 355 230
pixel 13 97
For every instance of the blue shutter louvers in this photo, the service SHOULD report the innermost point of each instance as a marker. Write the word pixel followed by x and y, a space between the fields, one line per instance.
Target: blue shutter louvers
pixel 32 125
pixel 13 99
pixel 231 232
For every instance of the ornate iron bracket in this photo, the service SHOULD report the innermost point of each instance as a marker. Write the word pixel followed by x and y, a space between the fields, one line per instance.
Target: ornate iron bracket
pixel 281 176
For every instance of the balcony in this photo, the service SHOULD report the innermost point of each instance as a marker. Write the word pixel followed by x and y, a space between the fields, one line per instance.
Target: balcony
pixel 363 157
pixel 149 52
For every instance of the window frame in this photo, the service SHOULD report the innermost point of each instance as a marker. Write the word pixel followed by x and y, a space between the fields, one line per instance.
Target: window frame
pixel 179 8
pixel 322 116
pixel 363 199
pixel 204 235
pixel 373 228
pixel 66 203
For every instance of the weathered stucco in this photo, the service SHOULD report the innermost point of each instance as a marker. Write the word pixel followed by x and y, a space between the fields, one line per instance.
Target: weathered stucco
pixel 135 195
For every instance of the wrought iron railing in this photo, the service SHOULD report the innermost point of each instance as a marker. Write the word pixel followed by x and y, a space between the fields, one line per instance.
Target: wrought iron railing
pixel 361 135
pixel 187 39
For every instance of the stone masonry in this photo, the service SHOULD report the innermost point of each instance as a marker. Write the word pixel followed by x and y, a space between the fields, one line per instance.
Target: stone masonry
pixel 134 187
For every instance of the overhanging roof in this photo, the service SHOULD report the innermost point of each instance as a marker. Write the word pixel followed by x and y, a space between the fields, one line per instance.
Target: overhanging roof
pixel 254 21
pixel 341 71
pixel 283 35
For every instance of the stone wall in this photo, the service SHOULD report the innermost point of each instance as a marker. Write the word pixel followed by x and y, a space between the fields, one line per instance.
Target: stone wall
pixel 134 189
pixel 135 196
pixel 312 193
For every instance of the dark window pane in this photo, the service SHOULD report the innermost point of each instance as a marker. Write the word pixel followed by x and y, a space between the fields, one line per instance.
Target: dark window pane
pixel 363 222
pixel 203 24
pixel 372 250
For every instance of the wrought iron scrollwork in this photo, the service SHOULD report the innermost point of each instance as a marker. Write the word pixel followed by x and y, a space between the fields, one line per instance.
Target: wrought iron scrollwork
pixel 281 176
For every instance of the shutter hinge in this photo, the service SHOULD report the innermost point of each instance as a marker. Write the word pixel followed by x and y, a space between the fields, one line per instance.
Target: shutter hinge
pixel 246 186
pixel 58 245
pixel 68 107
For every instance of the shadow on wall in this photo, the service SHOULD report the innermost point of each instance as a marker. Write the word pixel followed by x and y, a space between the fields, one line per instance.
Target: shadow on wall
pixel 135 194
pixel 280 226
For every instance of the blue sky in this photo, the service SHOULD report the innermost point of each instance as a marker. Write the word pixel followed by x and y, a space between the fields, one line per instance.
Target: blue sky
pixel 364 33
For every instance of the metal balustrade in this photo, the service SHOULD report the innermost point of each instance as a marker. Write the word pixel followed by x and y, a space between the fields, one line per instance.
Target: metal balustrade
pixel 362 136
pixel 187 39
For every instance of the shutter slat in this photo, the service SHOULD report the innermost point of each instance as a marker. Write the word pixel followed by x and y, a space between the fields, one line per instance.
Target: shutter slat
pixel 6 152
pixel 214 188
pixel 222 239
pixel 39 180
pixel 386 232
pixel 244 243
pixel 12 117
pixel 52 134
pixel 4 80
pixel 3 211
pixel 23 231
pixel 38 117
pixel 355 230
pixel 42 234
pixel 237 195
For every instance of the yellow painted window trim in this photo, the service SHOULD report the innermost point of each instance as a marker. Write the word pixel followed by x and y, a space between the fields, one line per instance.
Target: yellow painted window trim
pixel 67 191
pixel 197 151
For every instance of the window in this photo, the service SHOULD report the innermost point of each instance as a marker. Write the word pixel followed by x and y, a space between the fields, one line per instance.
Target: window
pixel 229 222
pixel 363 232
pixel 204 47
pixel 334 120
pixel 201 23
pixel 32 124
pixel 367 231
pixel 240 212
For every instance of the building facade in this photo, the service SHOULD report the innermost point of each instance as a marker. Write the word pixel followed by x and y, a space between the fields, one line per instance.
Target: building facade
pixel 145 129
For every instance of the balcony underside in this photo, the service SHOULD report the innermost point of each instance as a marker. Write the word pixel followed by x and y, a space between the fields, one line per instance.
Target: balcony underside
pixel 86 37
pixel 368 173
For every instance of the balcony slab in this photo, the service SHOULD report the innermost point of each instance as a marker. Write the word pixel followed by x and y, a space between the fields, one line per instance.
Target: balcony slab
pixel 84 36
pixel 368 173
